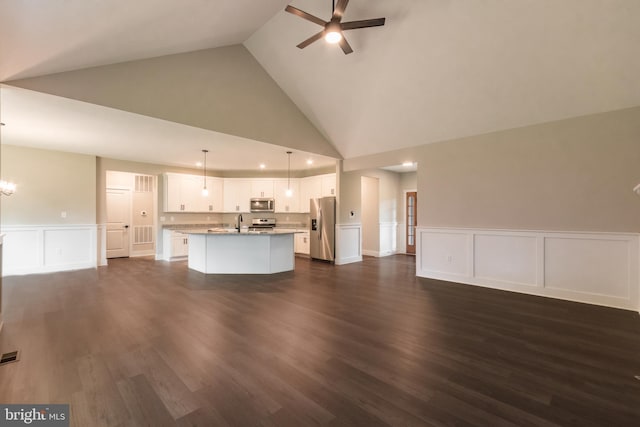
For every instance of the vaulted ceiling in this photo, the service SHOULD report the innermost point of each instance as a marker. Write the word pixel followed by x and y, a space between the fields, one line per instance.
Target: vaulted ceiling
pixel 438 69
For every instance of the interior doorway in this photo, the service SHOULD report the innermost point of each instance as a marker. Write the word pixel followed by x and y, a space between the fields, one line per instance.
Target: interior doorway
pixel 370 217
pixel 410 220
pixel 118 221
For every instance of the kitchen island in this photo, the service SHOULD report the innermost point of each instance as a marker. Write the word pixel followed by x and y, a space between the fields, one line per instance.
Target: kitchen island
pixel 225 252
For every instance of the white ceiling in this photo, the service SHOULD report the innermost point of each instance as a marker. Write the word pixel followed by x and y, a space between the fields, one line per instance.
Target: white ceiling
pixel 438 69
pixel 41 37
pixel 444 69
pixel 45 121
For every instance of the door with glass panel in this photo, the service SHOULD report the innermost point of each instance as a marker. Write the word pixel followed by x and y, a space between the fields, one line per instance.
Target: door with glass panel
pixel 411 211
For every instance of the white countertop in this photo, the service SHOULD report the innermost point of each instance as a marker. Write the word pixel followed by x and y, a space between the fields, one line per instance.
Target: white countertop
pixel 244 232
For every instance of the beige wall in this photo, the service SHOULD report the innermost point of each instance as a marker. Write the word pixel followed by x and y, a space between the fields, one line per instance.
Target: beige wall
pixel 370 203
pixel 351 190
pixel 571 175
pixel 48 183
pixel 223 89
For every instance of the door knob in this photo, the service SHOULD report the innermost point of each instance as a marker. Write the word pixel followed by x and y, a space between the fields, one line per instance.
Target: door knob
pixel 126 226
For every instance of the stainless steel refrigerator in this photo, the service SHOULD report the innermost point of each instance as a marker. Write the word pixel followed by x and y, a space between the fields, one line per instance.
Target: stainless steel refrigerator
pixel 323 228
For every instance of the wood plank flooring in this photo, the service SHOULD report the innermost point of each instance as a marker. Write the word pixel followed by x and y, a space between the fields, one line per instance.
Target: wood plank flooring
pixel 151 343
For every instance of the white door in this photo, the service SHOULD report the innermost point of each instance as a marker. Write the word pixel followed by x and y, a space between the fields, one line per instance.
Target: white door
pixel 118 215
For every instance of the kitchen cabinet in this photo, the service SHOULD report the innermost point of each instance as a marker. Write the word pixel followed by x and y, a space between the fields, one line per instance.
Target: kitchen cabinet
pixel 285 204
pixel 328 185
pixel 183 193
pixel 179 193
pixel 214 201
pixel 262 188
pixel 175 245
pixel 237 193
pixel 301 244
pixel 310 188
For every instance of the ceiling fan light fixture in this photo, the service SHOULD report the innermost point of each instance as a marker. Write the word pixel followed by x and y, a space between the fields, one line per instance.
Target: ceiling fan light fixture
pixel 332 29
pixel 333 32
pixel 333 37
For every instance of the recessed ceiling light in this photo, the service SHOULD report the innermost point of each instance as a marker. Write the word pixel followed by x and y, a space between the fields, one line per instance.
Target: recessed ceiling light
pixel 407 164
pixel 198 164
pixel 262 166
pixel 310 161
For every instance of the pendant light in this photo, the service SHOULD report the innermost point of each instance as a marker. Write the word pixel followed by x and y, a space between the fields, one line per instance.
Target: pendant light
pixel 205 192
pixel 289 193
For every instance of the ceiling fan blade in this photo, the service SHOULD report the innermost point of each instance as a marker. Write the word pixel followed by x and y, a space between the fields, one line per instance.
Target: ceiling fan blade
pixel 362 24
pixel 346 47
pixel 310 40
pixel 304 15
pixel 339 9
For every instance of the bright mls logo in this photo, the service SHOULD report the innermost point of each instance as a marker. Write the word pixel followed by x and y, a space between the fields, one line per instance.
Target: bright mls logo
pixel 34 415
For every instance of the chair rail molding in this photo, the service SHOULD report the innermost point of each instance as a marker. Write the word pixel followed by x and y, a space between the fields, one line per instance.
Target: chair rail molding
pixel 590 267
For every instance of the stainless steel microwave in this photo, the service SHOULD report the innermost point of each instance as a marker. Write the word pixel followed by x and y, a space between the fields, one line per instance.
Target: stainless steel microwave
pixel 262 205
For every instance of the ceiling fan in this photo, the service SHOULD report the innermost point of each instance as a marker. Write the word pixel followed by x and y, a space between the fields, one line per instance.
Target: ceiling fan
pixel 333 29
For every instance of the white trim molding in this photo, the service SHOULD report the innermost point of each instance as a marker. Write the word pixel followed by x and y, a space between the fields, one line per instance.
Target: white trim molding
pixel 48 248
pixel 388 238
pixel 102 244
pixel 348 243
pixel 589 267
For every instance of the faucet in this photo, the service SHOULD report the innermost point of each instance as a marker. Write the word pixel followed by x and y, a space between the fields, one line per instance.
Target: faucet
pixel 239 222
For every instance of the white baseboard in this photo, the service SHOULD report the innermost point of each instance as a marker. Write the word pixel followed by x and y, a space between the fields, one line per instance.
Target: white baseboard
pixel 595 268
pixel 49 248
pixel 378 254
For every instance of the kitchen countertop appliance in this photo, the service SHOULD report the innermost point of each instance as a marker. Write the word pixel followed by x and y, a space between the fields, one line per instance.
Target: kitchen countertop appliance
pixel 262 205
pixel 262 224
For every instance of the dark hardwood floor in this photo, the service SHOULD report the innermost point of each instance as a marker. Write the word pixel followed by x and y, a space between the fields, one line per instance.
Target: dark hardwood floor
pixel 151 343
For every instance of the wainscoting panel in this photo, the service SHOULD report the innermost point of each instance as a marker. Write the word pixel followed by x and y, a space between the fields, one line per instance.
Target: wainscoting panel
pixel 585 264
pixel 22 250
pixel 506 258
pixel 44 249
pixel 348 243
pixel 388 238
pixel 596 268
pixel 68 247
pixel 443 252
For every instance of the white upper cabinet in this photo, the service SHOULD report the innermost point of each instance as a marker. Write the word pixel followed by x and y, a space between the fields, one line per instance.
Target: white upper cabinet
pixel 183 193
pixel 180 193
pixel 286 203
pixel 262 188
pixel 237 193
pixel 328 184
pixel 310 188
pixel 172 200
pixel 214 201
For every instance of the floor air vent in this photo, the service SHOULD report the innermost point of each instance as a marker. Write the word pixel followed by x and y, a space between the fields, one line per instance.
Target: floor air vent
pixel 13 356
